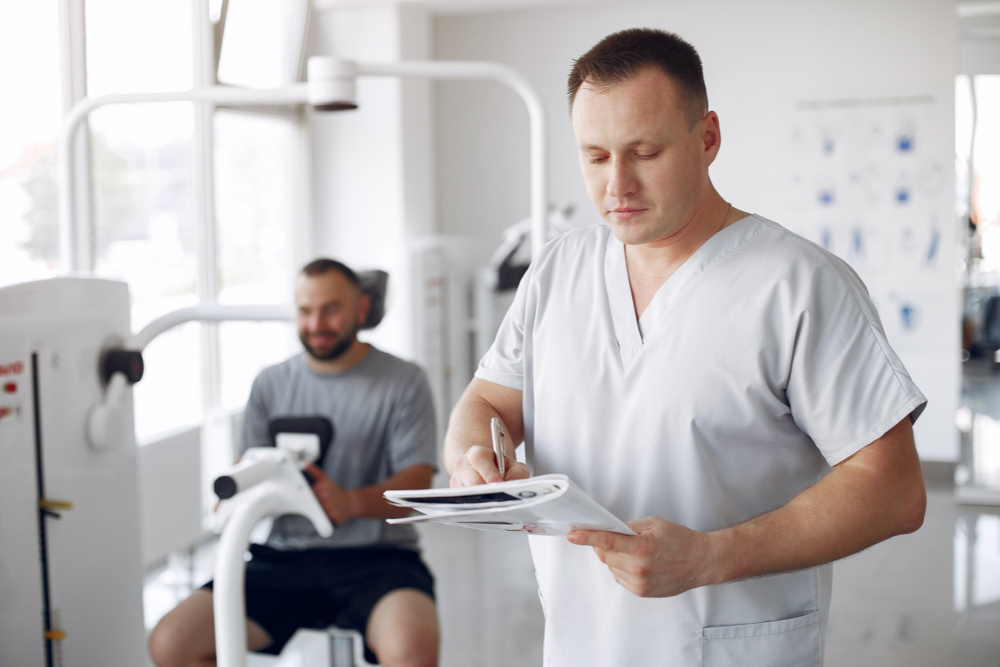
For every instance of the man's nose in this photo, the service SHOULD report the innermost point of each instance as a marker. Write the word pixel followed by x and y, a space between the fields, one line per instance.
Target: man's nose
pixel 621 180
pixel 312 322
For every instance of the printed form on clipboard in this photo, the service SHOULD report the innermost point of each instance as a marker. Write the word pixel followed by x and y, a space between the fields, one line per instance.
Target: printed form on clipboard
pixel 543 505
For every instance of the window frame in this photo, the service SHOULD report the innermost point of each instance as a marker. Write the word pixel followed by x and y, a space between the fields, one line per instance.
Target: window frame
pixel 206 45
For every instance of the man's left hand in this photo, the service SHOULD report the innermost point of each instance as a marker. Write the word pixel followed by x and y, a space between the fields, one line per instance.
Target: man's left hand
pixel 336 501
pixel 663 560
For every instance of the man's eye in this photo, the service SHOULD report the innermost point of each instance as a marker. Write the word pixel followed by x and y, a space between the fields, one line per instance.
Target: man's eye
pixel 598 159
pixel 646 156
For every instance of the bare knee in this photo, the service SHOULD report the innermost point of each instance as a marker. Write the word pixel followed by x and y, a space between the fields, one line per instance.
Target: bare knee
pixel 165 646
pixel 411 649
pixel 403 630
pixel 411 656
pixel 185 636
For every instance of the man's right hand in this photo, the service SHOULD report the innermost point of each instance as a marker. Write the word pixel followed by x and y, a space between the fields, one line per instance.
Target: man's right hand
pixel 471 465
pixel 479 466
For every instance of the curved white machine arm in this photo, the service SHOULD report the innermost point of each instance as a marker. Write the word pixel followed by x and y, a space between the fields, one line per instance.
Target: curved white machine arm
pixel 284 491
pixel 208 312
pixel 108 420
pixel 70 228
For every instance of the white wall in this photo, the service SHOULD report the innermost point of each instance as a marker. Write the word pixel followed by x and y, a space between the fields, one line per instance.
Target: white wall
pixel 762 59
pixel 364 209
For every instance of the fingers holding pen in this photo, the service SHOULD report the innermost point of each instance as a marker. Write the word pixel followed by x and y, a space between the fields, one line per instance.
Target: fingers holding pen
pixel 479 466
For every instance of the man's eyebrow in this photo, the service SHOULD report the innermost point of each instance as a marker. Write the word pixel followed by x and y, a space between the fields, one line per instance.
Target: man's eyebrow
pixel 631 144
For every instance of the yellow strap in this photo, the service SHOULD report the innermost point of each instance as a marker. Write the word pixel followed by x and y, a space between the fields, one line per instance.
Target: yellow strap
pixel 55 635
pixel 50 504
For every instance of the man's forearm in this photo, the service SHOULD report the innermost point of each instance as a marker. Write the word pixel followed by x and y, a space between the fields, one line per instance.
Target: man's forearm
pixel 367 502
pixel 470 420
pixel 873 495
pixel 469 425
pixel 854 507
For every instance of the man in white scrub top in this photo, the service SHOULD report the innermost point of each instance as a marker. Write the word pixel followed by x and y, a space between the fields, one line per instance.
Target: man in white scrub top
pixel 717 381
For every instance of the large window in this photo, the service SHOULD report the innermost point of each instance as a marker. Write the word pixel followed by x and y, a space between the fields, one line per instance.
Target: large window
pixel 30 117
pixel 259 50
pixel 146 231
pixel 255 167
pixel 240 248
pixel 978 99
pixel 141 156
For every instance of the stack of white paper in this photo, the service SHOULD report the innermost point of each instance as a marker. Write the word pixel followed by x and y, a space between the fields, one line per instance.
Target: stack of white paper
pixel 543 505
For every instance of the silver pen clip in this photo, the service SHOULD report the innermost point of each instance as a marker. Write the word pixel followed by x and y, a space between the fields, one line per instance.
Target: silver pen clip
pixel 499 446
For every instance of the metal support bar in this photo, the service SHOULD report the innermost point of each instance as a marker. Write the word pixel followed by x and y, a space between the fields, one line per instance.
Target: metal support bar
pixel 298 94
pixel 208 312
pixel 456 70
pixel 73 64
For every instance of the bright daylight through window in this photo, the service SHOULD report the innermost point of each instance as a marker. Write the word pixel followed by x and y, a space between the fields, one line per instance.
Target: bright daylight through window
pixel 141 164
pixel 143 200
pixel 29 237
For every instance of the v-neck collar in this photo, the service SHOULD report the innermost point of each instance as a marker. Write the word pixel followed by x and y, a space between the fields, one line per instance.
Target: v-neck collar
pixel 629 332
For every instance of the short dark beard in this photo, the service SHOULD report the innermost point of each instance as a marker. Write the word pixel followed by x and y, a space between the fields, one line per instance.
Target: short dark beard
pixel 337 350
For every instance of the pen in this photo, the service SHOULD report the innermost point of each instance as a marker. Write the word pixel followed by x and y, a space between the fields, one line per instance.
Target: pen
pixel 499 446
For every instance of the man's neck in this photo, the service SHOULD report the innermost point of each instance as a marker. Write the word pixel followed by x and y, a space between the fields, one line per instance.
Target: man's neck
pixel 650 265
pixel 352 357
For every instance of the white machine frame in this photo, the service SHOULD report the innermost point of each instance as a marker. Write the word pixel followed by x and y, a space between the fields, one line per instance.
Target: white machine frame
pixel 74 235
pixel 281 490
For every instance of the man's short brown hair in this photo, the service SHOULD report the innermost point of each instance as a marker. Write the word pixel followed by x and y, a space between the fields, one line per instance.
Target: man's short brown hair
pixel 621 55
pixel 319 267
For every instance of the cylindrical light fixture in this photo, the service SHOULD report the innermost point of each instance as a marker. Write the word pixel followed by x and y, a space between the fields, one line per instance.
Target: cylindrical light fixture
pixel 332 84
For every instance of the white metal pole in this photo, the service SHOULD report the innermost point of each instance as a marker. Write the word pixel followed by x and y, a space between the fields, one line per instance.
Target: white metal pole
pixel 203 190
pixel 208 312
pixel 73 64
pixel 228 597
pixel 443 69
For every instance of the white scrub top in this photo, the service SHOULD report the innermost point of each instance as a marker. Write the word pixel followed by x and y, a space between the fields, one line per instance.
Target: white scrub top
pixel 760 363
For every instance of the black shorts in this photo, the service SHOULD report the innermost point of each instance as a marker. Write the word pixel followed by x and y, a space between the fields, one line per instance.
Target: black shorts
pixel 317 588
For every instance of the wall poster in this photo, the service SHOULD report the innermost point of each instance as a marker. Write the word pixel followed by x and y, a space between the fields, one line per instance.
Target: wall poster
pixel 871 180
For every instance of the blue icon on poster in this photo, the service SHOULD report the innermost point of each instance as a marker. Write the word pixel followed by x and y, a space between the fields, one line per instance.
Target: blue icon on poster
pixel 826 239
pixel 933 247
pixel 909 316
pixel 858 244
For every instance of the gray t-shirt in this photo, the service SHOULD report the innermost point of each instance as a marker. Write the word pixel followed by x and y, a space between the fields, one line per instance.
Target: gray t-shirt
pixel 383 417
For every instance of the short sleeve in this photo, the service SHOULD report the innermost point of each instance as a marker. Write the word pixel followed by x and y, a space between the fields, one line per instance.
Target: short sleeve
pixel 503 363
pixel 255 418
pixel 846 387
pixel 412 430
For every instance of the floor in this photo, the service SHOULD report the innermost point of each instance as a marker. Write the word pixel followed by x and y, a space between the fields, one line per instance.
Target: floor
pixel 930 599
pixel 927 599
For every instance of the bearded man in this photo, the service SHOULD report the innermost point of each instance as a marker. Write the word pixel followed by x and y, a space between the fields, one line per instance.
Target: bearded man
pixel 368 575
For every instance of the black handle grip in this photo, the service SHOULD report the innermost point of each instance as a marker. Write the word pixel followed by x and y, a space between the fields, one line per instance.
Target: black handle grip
pixel 224 487
pixel 128 362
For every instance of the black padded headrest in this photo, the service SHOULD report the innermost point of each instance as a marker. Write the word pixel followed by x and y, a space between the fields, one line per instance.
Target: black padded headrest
pixel 374 285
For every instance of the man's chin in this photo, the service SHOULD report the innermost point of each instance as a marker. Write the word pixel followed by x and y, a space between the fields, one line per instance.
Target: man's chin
pixel 327 352
pixel 630 233
pixel 319 354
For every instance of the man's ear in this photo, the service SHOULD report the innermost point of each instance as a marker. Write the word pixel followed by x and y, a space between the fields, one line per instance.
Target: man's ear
pixel 364 307
pixel 711 136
